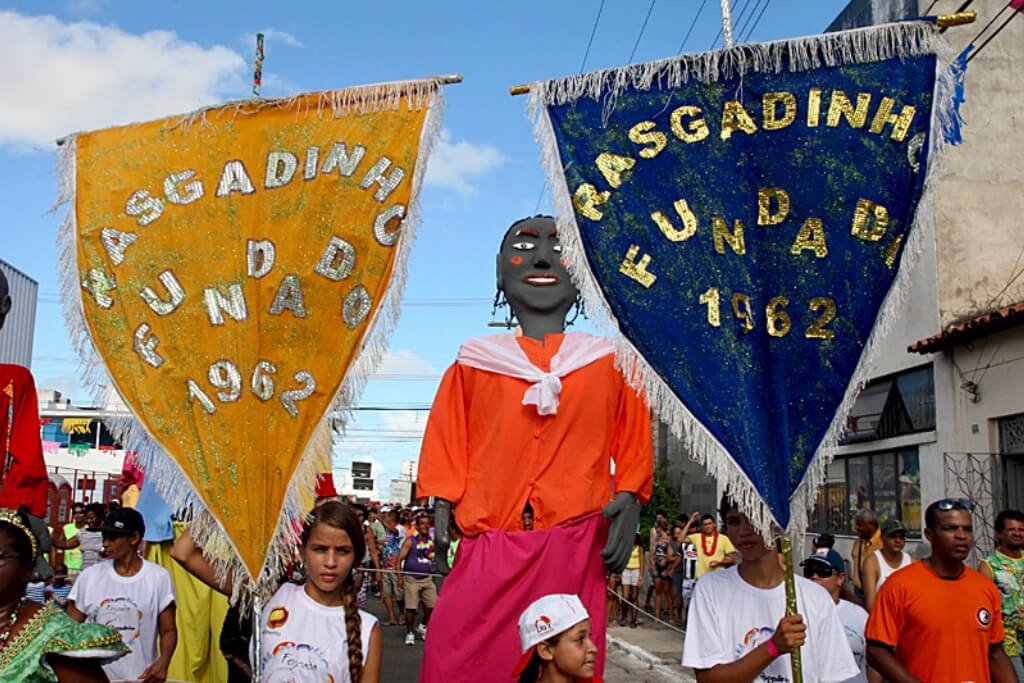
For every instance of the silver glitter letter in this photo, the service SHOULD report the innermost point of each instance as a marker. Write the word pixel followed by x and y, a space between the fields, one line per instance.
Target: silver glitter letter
pixel 337 260
pixel 224 375
pixel 387 183
pixel 217 304
pixel 289 295
pixel 174 289
pixel 312 159
pixel 116 242
pixel 289 398
pixel 259 257
pixel 262 382
pixel 145 346
pixel 339 158
pixel 380 225
pixel 147 208
pixel 234 178
pixel 196 394
pixel 193 190
pixel 356 307
pixel 280 169
pixel 99 284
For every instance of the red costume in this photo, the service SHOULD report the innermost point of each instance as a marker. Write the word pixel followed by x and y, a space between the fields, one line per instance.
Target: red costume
pixel 23 478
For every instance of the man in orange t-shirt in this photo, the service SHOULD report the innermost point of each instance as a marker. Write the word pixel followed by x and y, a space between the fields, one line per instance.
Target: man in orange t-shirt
pixel 533 420
pixel 938 620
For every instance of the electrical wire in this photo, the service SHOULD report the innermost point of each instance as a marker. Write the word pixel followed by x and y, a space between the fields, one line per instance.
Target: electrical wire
pixel 593 32
pixel 642 29
pixel 692 24
pixel 757 21
pixel 750 18
pixel 1013 15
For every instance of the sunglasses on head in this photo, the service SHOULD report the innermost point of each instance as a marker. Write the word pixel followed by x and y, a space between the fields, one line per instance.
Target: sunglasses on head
pixel 947 504
pixel 820 571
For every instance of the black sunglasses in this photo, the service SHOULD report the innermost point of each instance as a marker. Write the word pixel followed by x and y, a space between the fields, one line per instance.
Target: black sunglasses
pixel 816 570
pixel 947 504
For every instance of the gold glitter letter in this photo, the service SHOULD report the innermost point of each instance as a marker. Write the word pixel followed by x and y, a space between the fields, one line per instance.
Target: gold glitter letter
pixel 697 129
pixel 764 205
pixel 817 330
pixel 741 309
pixel 810 237
pixel 587 199
pixel 637 270
pixel 669 230
pixel 721 235
pixel 611 167
pixel 712 300
pixel 870 221
pixel 769 102
pixel 643 133
pixel 734 118
pixel 813 107
pixel 900 123
pixel 890 253
pixel 778 320
pixel 840 106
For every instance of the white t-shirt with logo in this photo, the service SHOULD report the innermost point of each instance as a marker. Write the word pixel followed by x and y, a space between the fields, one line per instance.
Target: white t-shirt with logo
pixel 728 618
pixel 854 619
pixel 131 605
pixel 306 641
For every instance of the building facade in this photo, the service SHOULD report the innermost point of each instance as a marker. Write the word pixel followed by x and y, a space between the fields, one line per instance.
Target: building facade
pixel 943 414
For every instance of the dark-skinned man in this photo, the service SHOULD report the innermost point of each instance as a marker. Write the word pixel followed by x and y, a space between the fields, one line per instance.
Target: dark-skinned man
pixel 938 620
pixel 736 628
pixel 531 418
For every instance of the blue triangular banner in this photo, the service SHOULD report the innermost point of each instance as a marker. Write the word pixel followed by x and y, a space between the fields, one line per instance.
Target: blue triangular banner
pixel 741 217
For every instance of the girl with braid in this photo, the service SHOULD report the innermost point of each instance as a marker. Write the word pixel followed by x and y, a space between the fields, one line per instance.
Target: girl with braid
pixel 315 629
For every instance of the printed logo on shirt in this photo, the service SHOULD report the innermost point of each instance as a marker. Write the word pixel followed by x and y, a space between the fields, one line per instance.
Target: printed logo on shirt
pixel 122 615
pixel 984 617
pixel 277 618
pixel 751 640
pixel 291 662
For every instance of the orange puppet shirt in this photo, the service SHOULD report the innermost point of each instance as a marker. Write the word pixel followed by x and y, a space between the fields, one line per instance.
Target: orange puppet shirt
pixel 489 454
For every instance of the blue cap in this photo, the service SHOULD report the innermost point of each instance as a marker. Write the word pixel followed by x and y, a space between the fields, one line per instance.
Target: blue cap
pixel 827 557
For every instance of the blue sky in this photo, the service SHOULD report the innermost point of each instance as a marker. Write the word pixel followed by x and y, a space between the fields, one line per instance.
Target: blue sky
pixel 86 64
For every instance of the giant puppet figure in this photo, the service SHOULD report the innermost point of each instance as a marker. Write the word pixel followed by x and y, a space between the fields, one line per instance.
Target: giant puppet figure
pixel 530 420
pixel 23 478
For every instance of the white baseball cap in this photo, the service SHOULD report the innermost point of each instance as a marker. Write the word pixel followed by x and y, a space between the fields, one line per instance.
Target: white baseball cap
pixel 546 618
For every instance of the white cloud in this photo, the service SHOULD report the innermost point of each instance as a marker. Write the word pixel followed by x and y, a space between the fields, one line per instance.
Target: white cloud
pixel 83 75
pixel 403 363
pixel 271 38
pixel 456 164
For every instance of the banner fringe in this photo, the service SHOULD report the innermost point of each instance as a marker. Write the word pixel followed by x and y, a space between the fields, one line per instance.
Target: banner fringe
pixel 857 46
pixel 171 482
pixel 871 44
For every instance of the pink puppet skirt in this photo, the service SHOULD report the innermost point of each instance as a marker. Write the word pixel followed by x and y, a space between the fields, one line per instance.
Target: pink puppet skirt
pixel 497 574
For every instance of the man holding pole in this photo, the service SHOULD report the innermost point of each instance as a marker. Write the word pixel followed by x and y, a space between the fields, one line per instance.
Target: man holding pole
pixel 735 631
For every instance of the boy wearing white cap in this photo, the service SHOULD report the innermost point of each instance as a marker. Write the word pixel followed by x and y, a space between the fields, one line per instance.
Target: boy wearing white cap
pixel 554 633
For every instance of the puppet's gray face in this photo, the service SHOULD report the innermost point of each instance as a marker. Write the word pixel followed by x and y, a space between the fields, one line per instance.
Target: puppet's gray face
pixel 531 270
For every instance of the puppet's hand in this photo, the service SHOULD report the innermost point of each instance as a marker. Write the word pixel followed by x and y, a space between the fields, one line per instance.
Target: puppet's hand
pixel 624 512
pixel 442 537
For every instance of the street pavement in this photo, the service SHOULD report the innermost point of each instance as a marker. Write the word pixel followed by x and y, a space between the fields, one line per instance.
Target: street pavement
pixel 647 654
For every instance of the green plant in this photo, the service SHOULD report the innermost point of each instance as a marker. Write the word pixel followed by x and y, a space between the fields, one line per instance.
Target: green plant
pixel 664 496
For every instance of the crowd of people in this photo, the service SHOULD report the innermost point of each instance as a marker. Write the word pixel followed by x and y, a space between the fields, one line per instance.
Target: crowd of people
pixel 877 615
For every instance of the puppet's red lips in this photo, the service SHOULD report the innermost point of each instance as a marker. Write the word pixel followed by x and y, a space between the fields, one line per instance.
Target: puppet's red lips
pixel 538 280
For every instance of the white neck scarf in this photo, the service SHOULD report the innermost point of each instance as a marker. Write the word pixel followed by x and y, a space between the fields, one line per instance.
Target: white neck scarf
pixel 502 354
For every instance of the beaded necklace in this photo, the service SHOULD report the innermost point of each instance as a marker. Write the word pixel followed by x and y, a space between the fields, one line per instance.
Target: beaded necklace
pixel 714 545
pixel 11 621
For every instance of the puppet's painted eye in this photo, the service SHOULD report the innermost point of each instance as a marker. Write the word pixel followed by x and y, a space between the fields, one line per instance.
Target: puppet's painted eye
pixel 524 246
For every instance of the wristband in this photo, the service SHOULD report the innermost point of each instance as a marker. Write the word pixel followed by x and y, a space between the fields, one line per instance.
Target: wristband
pixel 772 649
